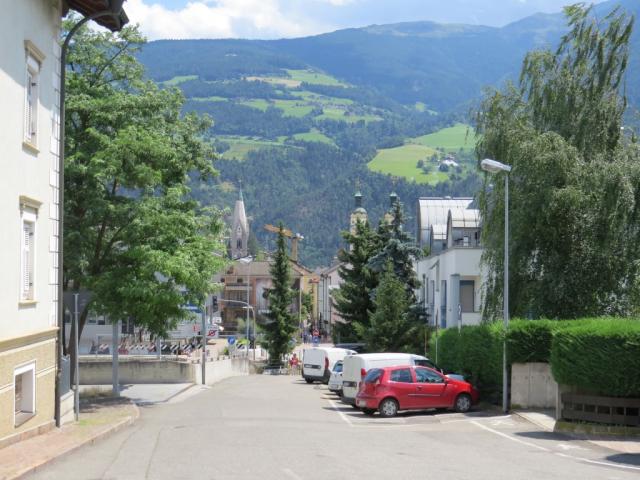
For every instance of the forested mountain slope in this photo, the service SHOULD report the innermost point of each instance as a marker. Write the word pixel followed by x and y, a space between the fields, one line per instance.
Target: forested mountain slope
pixel 298 121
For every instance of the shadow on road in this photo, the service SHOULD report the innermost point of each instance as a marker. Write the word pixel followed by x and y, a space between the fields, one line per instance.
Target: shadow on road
pixel 626 458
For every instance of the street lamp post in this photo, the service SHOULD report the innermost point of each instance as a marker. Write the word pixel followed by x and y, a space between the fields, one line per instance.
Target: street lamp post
pixel 114 10
pixel 247 261
pixel 493 166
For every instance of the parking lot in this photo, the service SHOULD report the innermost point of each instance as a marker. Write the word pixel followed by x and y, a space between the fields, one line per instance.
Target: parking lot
pixel 279 427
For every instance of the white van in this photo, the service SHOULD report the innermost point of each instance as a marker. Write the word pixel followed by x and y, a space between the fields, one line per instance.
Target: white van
pixel 355 367
pixel 318 362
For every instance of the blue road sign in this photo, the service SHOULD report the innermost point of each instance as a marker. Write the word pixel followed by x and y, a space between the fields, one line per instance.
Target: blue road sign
pixel 192 308
pixel 231 340
pixel 316 340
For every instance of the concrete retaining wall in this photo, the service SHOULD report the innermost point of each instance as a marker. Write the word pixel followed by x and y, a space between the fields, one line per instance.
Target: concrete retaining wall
pixel 97 371
pixel 221 369
pixel 533 386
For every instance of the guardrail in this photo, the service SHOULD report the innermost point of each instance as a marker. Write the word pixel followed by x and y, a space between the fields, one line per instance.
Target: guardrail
pixel 609 410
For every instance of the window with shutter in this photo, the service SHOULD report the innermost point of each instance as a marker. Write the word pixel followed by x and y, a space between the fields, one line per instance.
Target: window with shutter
pixel 31 100
pixel 28 247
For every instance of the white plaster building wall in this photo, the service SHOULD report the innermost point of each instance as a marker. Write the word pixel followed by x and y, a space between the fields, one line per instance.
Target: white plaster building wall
pixel 463 261
pixel 25 171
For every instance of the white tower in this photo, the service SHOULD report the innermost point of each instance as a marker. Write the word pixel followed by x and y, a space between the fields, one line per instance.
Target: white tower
pixel 239 230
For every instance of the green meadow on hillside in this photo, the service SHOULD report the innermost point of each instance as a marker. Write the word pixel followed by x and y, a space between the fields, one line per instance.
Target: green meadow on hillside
pixel 401 162
pixel 451 139
pixel 180 79
pixel 241 146
pixel 313 136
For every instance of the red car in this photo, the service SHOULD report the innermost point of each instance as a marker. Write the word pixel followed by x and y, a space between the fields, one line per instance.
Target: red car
pixel 390 389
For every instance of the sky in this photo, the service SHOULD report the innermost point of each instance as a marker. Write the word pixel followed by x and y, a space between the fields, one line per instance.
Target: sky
pixel 268 19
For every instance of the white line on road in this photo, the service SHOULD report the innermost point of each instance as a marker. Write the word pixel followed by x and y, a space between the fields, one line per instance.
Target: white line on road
pixel 342 415
pixel 564 455
pixel 509 437
pixel 291 474
pixel 607 464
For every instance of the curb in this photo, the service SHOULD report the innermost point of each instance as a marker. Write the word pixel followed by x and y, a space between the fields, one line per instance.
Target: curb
pixel 526 418
pixel 91 440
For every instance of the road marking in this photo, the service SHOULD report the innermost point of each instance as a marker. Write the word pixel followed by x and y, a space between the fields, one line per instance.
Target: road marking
pixel 341 413
pixel 291 474
pixel 509 437
pixel 517 440
pixel 566 446
pixel 607 464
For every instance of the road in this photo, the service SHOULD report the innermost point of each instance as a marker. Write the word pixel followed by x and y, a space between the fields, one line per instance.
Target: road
pixel 270 427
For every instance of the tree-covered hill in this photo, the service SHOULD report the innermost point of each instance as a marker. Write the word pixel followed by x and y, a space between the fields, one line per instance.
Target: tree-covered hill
pixel 298 121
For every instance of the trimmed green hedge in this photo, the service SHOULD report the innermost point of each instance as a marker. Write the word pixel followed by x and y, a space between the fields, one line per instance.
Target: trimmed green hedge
pixel 601 356
pixel 475 352
pixel 530 340
pixel 596 355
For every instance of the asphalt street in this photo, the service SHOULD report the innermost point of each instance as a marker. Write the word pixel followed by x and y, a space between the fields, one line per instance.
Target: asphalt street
pixel 278 427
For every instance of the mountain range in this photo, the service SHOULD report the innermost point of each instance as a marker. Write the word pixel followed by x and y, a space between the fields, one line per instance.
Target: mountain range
pixel 298 121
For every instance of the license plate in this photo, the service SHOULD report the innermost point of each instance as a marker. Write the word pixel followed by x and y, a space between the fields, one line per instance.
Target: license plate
pixel 361 403
pixel 308 365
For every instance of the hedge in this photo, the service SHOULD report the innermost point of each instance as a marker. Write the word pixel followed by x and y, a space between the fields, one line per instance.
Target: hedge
pixel 475 352
pixel 599 356
pixel 530 340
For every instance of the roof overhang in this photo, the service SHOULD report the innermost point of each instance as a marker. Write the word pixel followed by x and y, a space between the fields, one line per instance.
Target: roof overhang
pixel 90 7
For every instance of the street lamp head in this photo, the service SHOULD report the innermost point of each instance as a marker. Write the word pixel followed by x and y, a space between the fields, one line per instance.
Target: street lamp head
pixel 493 166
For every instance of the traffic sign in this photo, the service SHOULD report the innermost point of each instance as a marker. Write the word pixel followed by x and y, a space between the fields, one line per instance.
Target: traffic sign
pixel 231 340
pixel 316 340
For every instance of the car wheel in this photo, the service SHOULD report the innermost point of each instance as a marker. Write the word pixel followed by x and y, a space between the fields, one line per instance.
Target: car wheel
pixel 308 380
pixel 369 411
pixel 463 403
pixel 388 407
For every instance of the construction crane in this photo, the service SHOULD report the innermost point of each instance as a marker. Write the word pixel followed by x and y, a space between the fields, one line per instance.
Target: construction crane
pixel 295 238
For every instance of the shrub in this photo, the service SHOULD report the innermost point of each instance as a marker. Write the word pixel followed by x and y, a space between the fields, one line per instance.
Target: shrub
pixel 530 340
pixel 601 356
pixel 475 352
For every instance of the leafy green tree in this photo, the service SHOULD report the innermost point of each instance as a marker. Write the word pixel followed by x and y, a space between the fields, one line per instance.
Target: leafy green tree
pixel 133 236
pixel 391 329
pixel 574 190
pixel 281 325
pixel 353 300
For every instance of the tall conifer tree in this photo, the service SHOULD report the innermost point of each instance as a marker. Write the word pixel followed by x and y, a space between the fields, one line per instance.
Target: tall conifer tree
pixel 282 324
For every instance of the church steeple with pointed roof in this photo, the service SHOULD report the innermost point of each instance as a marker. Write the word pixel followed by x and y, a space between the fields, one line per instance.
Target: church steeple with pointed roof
pixel 239 238
pixel 359 213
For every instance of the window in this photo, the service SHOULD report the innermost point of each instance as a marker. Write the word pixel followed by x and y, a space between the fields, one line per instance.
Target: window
pixel 402 375
pixel 337 367
pixel 424 363
pixel 34 60
pixel 27 256
pixel 373 375
pixel 427 376
pixel 24 392
pixel 467 296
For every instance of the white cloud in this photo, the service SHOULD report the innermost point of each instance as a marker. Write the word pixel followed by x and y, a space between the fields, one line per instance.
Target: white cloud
pixel 219 19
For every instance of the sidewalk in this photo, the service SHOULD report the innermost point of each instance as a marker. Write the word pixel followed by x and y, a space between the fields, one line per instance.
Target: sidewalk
pixel 97 420
pixel 545 420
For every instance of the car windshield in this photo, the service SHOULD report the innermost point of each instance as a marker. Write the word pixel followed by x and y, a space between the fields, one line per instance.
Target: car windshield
pixel 373 375
pixel 337 367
